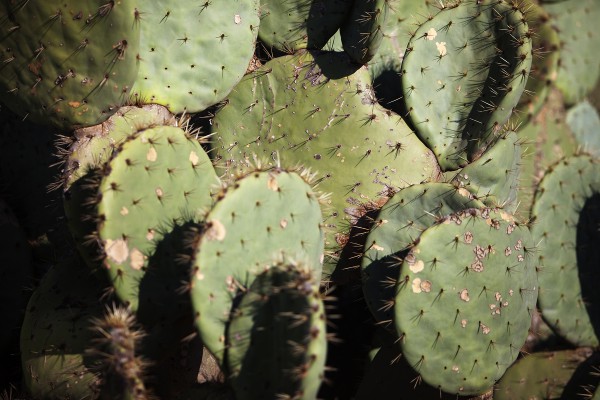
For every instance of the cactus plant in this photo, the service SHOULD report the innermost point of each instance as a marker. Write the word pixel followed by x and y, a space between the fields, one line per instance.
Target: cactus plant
pixel 564 203
pixel 325 118
pixel 68 63
pixel 260 218
pixel 358 156
pixel 463 74
pixel 465 296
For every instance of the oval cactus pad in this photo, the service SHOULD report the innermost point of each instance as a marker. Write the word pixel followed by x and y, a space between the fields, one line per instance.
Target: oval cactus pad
pixel 568 261
pixel 159 178
pixel 463 306
pixel 261 218
pixel 67 62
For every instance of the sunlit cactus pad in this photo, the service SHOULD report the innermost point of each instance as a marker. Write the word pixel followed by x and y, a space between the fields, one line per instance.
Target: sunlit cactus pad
pixel 465 298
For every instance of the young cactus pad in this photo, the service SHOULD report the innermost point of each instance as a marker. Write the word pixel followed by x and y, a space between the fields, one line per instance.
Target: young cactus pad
pixel 259 219
pixel 67 62
pixel 397 226
pixel 159 178
pixel 565 213
pixel 277 337
pixel 465 298
pixel 462 75
pixel 193 53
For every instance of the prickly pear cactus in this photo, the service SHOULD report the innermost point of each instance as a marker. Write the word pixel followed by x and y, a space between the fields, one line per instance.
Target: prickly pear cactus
pixel 463 74
pixel 191 56
pixel 261 218
pixel 282 311
pixel 68 63
pixel 564 211
pixel 465 296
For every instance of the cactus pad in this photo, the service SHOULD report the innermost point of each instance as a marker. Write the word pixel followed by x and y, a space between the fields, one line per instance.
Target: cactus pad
pixel 65 62
pixel 192 56
pixel 465 298
pixel 158 179
pixel 565 214
pixel 463 74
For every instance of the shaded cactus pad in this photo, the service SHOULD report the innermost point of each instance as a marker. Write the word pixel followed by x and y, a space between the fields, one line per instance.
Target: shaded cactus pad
pixel 277 336
pixel 565 208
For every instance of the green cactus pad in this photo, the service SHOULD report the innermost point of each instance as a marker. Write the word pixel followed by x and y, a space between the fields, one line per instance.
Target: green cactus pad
pixel 277 336
pixel 57 331
pixel 465 298
pixel 540 375
pixel 362 31
pixel 67 63
pixel 289 25
pixel 397 226
pixel 193 54
pixel 261 218
pixel 579 66
pixel 565 204
pixel 158 179
pixel 494 177
pixel 463 75
pixel 321 113
pixel 584 122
